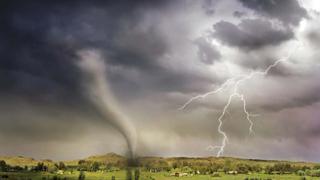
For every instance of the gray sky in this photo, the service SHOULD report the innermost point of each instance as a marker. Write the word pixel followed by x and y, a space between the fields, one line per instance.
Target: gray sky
pixel 157 55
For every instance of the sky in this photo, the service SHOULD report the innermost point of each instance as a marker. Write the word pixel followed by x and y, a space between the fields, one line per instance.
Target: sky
pixel 80 78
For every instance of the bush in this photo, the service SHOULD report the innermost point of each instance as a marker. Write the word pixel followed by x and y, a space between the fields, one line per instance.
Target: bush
pixel 242 168
pixel 82 176
pixel 315 173
pixel 3 166
pixel 301 173
pixel 95 166
pixel 283 167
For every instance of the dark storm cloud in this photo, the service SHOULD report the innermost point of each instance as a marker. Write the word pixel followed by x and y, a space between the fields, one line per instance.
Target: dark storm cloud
pixel 251 34
pixel 287 11
pixel 39 39
pixel 38 42
pixel 136 47
pixel 207 52
pixel 28 58
pixel 151 50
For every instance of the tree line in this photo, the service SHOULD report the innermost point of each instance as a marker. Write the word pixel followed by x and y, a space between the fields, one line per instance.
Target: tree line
pixel 181 165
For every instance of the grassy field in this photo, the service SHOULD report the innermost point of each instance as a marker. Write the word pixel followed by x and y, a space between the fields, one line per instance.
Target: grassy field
pixel 160 176
pixel 120 175
pixel 164 167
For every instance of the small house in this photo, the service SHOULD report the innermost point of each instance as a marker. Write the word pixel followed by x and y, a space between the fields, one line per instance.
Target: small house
pixel 232 172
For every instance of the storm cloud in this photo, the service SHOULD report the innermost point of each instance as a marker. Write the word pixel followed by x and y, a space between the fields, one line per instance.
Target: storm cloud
pixel 286 11
pixel 207 52
pixel 251 34
pixel 157 55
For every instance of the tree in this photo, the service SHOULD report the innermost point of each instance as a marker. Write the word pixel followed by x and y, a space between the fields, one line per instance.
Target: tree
pixel 185 163
pixel 60 166
pixel 300 173
pixel 17 168
pixel 242 168
pixel 82 176
pixel 268 169
pixel 175 165
pixel 314 173
pixel 95 166
pixel 80 162
pixel 227 165
pixel 3 166
pixel 41 167
pixel 83 165
pixel 255 168
pixel 283 167
pixel 214 167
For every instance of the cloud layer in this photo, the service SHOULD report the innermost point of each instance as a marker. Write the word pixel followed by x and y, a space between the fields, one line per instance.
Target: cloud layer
pixel 159 54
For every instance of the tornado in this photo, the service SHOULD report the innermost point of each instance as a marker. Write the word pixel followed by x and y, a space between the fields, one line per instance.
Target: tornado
pixel 93 68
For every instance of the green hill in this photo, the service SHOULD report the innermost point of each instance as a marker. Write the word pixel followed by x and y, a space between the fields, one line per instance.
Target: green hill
pixel 106 158
pixel 19 160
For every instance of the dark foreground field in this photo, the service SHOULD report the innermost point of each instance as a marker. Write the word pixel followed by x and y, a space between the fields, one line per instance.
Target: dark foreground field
pixel 114 167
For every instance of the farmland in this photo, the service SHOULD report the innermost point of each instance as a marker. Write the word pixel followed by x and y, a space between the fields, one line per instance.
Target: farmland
pixel 114 167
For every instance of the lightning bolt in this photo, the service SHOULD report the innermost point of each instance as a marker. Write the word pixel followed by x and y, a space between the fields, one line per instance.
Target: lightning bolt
pixel 234 83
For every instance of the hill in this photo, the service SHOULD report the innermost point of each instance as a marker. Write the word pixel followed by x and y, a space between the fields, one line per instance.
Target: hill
pixel 106 158
pixel 19 160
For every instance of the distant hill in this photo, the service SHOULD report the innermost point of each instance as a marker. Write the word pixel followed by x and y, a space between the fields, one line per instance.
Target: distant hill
pixel 106 158
pixel 114 158
pixel 19 160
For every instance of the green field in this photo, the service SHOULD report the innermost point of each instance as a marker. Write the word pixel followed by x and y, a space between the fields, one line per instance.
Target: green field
pixel 104 167
pixel 120 175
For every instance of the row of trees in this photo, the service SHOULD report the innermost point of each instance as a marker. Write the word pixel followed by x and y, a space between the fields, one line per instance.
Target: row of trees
pixel 285 168
pixel 4 167
pixel 241 167
pixel 96 166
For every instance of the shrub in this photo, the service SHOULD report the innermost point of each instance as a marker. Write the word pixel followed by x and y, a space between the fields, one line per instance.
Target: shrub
pixel 82 176
pixel 301 173
pixel 315 173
